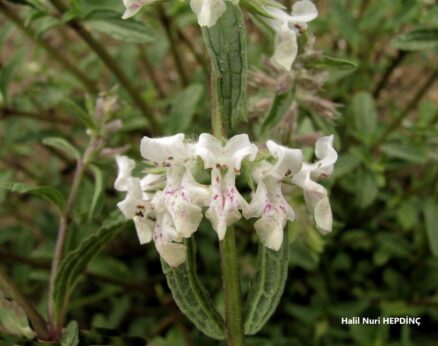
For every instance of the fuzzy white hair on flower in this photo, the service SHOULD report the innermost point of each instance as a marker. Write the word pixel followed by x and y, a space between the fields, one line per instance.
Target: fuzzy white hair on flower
pixel 316 195
pixel 209 11
pixel 287 27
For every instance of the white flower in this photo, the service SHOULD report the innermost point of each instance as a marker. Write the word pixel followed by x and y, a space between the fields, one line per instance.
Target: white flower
pixel 209 11
pixel 315 194
pixel 165 151
pixel 230 155
pixel 224 160
pixel 125 167
pixel 133 6
pixel 268 204
pixel 287 26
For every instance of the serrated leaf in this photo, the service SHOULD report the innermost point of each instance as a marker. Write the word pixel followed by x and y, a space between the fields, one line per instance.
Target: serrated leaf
pixel 63 145
pixel 267 286
pixel 191 296
pixel 98 189
pixel 70 336
pixel 330 63
pixel 110 23
pixel 48 193
pixel 364 115
pixel 417 39
pixel 183 108
pixel 226 44
pixel 431 222
pixel 280 106
pixel 76 261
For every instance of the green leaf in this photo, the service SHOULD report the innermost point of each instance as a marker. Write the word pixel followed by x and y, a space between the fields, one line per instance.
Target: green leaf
pixel 63 145
pixel 405 152
pixel 258 7
pixel 70 336
pixel 280 106
pixel 267 286
pixel 417 39
pixel 330 63
pixel 191 296
pixel 110 23
pixel 183 108
pixel 98 189
pixel 7 74
pixel 431 220
pixel 226 44
pixel 13 317
pixel 47 193
pixel 75 262
pixel 364 115
pixel 366 188
pixel 78 111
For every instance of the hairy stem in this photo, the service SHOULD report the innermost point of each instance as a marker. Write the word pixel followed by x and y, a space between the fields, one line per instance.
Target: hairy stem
pixel 232 291
pixel 53 52
pixel 111 64
pixel 38 323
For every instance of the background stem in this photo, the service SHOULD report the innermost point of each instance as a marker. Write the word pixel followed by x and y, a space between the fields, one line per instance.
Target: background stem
pixel 232 291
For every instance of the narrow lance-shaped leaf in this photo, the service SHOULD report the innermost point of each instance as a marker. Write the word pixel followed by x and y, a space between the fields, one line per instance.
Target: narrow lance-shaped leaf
pixel 77 260
pixel 267 286
pixel 63 145
pixel 191 296
pixel 47 193
pixel 226 44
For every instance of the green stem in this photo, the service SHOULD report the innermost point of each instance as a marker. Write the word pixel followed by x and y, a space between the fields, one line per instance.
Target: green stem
pixel 111 64
pixel 173 45
pixel 38 323
pixel 52 51
pixel 232 291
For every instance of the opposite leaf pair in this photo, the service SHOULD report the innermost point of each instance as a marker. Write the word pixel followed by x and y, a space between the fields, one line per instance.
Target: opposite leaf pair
pixel 167 207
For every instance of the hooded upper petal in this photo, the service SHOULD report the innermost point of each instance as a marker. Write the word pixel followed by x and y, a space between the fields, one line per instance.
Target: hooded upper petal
pixel 214 153
pixel 327 156
pixel 289 161
pixel 225 201
pixel 165 151
pixel 273 211
pixel 303 11
pixel 286 48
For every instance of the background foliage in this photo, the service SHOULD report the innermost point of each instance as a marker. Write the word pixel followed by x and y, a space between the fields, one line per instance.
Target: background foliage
pixel 374 87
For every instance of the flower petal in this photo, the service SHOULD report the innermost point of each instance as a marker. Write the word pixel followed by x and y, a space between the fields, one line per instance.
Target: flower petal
pixel 286 48
pixel 165 235
pixel 144 228
pixel 327 155
pixel 238 148
pixel 210 150
pixel 303 11
pixel 273 211
pixel 133 205
pixel 208 11
pixel 289 161
pixel 164 151
pixel 125 166
pixel 225 202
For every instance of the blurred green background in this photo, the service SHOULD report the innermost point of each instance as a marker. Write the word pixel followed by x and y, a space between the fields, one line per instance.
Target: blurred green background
pixel 380 101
